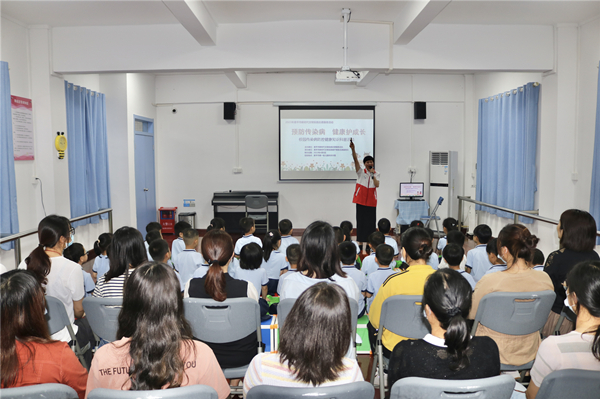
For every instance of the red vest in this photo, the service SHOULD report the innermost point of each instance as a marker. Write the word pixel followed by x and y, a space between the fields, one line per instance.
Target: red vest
pixel 365 192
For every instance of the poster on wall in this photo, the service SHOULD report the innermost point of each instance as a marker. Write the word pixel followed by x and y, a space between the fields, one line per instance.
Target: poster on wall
pixel 22 121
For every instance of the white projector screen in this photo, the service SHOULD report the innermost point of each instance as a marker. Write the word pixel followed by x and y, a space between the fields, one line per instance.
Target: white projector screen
pixel 314 141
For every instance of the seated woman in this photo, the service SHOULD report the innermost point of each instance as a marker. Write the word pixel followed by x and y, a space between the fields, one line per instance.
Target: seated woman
pixel 448 352
pixel 29 356
pixel 314 339
pixel 579 349
pixel 516 246
pixel 217 251
pixel 154 348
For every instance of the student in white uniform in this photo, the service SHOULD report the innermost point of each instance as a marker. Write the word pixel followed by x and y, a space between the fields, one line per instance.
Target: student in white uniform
pixel 458 238
pixel 347 228
pixel 478 262
pixel 368 264
pixel 189 260
pixel 151 236
pixel 384 258
pixel 498 264
pixel 538 260
pixel 247 225
pixel 160 252
pixel 348 257
pixel 385 227
pixel 286 230
pixel 449 224
pixel 292 255
pixel 178 245
pixel 251 258
pixel 453 255
pixel 273 260
pixel 101 263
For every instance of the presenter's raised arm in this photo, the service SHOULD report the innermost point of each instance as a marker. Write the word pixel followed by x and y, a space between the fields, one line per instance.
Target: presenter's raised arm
pixel 356 164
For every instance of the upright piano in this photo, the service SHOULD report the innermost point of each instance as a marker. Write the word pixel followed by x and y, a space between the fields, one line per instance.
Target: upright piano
pixel 231 206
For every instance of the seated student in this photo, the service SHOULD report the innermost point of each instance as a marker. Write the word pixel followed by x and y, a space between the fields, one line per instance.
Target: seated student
pixel 347 227
pixel 385 227
pixel 339 234
pixel 498 264
pixel 248 228
pixel 384 257
pixel 76 253
pixel 369 265
pixel 434 260
pixel 348 256
pixel 250 270
pixel 458 238
pixel 189 260
pixel 307 357
pixel 453 255
pixel 273 260
pixel 579 349
pixel 155 348
pixel 159 250
pixel 448 352
pixel 292 255
pixel 216 223
pixel 29 355
pixel 478 261
pixel 416 223
pixel 538 260
pixel 178 245
pixel 286 230
pixel 449 224
pixel 151 236
pixel 152 226
pixel 101 263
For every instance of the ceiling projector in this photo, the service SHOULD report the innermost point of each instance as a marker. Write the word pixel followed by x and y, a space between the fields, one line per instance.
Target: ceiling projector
pixel 348 76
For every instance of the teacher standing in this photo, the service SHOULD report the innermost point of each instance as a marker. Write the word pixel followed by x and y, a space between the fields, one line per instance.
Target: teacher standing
pixel 365 197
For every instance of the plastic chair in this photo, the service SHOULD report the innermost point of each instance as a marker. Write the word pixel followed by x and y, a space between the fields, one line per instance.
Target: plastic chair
pixel 497 387
pixel 514 313
pixel 41 391
pixel 353 390
pixel 223 322
pixel 103 315
pixel 255 203
pixel 58 319
pixel 191 391
pixel 402 315
pixel 570 383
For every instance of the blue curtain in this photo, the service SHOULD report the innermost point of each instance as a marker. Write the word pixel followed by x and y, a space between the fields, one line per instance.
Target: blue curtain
pixel 9 218
pixel 87 149
pixel 506 150
pixel 595 192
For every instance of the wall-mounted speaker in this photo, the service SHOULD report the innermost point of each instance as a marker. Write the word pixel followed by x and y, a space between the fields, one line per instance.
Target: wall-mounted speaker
pixel 229 111
pixel 420 110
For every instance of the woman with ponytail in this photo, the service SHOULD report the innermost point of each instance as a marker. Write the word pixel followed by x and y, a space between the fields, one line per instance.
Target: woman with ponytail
pixel 217 251
pixel 446 303
pixel 516 246
pixel 583 297
pixel 274 261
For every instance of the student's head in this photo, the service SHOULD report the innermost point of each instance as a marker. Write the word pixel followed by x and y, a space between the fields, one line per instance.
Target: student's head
pixel 516 242
pixel 583 291
pixel 318 248
pixel 190 238
pixel 384 254
pixel 450 224
pixel 102 243
pixel 369 162
pixel 416 223
pixel 292 253
pixel 152 316
pixel 375 239
pixel 179 227
pixel 384 226
pixel 127 250
pixel 159 250
pixel 153 226
pixel 447 297
pixel 416 244
pixel 217 223
pixel 577 230
pixel 285 227
pixel 217 251
pixel 153 235
pixel 76 253
pixel 347 252
pixel 538 257
pixel 321 317
pixel 251 256
pixel 453 254
pixel 455 237
pixel 339 234
pixel 483 233
pixel 347 228
pixel 271 242
pixel 492 251
pixel 23 305
pixel 247 225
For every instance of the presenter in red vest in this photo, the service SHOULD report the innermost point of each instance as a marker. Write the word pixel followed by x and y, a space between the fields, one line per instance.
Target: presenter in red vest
pixel 365 197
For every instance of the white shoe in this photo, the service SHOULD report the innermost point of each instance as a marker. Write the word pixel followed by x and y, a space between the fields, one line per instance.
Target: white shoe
pixel 376 379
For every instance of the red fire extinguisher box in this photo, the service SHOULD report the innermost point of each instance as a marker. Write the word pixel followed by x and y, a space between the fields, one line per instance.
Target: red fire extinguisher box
pixel 167 219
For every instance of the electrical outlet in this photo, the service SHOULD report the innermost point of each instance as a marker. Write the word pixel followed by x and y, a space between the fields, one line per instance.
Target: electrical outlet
pixel 412 170
pixel 237 170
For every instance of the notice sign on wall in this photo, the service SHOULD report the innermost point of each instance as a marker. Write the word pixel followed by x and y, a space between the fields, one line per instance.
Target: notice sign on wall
pixel 22 121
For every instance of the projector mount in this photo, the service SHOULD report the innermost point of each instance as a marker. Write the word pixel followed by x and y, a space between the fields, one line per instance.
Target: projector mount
pixel 346 75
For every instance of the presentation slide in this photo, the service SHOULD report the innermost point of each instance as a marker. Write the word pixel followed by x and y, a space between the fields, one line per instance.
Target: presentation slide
pixel 314 141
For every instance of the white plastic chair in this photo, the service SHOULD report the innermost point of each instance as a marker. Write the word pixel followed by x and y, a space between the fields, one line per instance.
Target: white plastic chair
pixel 41 391
pixel 58 319
pixel 498 387
pixel 103 316
pixel 570 383
pixel 191 391
pixel 354 390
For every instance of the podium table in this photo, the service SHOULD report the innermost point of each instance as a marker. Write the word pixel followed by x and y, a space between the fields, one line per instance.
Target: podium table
pixel 409 210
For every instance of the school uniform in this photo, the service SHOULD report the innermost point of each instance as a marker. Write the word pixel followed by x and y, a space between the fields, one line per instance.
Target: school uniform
pixel 442 243
pixel 374 282
pixel 433 261
pixel 101 265
pixel 282 278
pixel 369 265
pixel 389 240
pixel 478 262
pixel 468 277
pixel 187 263
pixel 539 267
pixel 286 241
pixel 258 277
pixel 496 268
pixel 176 248
pixel 247 239
pixel 273 266
pixel 361 282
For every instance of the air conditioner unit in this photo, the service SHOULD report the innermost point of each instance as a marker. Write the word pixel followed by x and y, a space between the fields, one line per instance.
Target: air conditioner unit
pixel 443 181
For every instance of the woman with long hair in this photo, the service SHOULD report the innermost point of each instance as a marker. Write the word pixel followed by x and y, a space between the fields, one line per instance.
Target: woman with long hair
pixel 314 339
pixel 154 348
pixel 29 356
pixel 217 251
pixel 448 352
pixel 516 246
pixel 583 297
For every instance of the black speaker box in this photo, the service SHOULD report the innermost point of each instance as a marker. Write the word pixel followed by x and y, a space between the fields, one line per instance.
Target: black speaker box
pixel 420 110
pixel 229 111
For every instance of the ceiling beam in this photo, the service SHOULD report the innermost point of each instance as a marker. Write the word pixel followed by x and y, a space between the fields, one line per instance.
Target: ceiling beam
pixel 195 18
pixel 367 78
pixel 415 17
pixel 238 78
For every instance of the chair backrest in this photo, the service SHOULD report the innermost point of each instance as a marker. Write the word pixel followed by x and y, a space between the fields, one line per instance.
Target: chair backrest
pixel 57 316
pixel 285 305
pixel 192 391
pixel 498 387
pixel 440 200
pixel 103 315
pixel 222 322
pixel 514 313
pixel 256 201
pixel 41 391
pixel 403 315
pixel 353 390
pixel 570 383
